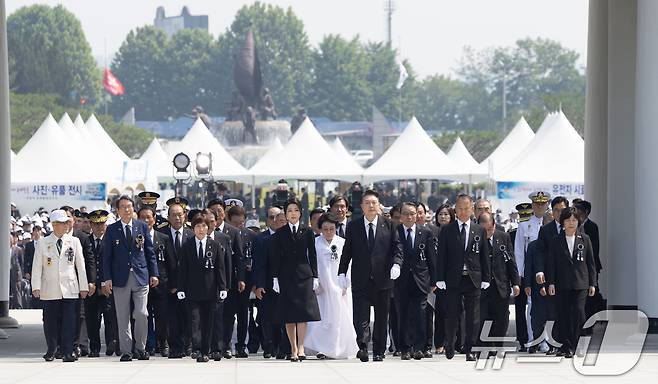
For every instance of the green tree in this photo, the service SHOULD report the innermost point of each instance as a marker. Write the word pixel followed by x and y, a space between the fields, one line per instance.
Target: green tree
pixel 140 65
pixel 284 52
pixel 49 54
pixel 341 89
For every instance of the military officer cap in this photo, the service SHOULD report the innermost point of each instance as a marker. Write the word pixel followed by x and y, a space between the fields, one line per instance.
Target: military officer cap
pixel 192 213
pixel 540 197
pixel 525 211
pixel 216 201
pixel 178 200
pixel 98 216
pixel 79 213
pixel 232 202
pixel 148 198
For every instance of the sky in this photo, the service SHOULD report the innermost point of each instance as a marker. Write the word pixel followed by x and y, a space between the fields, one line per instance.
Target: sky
pixel 431 34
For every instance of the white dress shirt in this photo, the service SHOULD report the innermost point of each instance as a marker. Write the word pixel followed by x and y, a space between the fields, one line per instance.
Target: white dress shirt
pixel 571 240
pixel 374 225
pixel 203 246
pixel 412 234
pixel 468 230
pixel 130 223
pixel 296 225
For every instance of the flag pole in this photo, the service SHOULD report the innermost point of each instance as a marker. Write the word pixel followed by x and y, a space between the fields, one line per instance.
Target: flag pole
pixel 104 68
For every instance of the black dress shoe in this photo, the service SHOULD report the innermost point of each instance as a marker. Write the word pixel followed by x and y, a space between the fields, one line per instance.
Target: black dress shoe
pixel 405 356
pixel 450 353
pixel 68 358
pixel 58 354
pixel 321 356
pixel 143 355
pixel 362 355
pixel 241 353
pixel 126 357
pixel 267 355
pixel 378 358
pixel 470 356
pixel 418 355
pixel 76 350
pixel 202 358
pixel 188 351
pixel 164 352
pixel 294 359
pixel 194 355
pixel 523 348
pixel 427 355
pixel 175 355
pixel 396 353
pixel 552 351
pixel 227 355
pixel 84 351
pixel 532 349
pixel 94 354
pixel 49 356
pixel 110 348
pixel 281 356
pixel 568 355
pixel 217 356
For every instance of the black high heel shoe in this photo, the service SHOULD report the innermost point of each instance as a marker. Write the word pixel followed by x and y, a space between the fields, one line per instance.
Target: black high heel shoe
pixel 301 357
pixel 294 359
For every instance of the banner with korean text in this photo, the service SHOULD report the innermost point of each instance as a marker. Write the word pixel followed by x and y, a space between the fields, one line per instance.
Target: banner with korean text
pixel 28 197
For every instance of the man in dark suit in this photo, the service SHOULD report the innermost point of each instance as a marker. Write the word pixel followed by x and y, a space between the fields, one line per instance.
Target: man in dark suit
pixel 417 279
pixel 158 324
pixel 98 305
pixel 178 234
pixel 338 207
pixel 275 341
pixel 547 233
pixel 235 276
pixel 129 269
pixel 494 301
pixel 463 269
pixel 372 245
pixel 484 206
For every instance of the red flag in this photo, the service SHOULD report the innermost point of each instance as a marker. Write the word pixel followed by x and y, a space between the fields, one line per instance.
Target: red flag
pixel 112 84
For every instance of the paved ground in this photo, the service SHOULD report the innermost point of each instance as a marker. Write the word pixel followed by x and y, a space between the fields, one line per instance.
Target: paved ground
pixel 21 362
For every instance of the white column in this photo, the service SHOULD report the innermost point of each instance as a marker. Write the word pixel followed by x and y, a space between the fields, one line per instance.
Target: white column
pixel 646 144
pixel 596 124
pixel 621 264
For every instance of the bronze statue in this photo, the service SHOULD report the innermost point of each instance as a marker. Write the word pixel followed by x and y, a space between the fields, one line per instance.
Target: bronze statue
pixel 246 71
pixel 234 111
pixel 249 121
pixel 297 120
pixel 198 112
pixel 267 109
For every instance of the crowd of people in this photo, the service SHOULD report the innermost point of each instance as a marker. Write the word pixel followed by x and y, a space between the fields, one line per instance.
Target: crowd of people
pixel 179 285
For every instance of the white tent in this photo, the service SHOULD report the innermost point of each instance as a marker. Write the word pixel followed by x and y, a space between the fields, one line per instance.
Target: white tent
pixel 109 148
pixel 12 155
pixel 199 139
pixel 70 131
pixel 556 154
pixel 513 144
pixel 466 164
pixel 414 155
pixel 158 163
pixel 83 132
pixel 307 156
pixel 342 152
pixel 47 158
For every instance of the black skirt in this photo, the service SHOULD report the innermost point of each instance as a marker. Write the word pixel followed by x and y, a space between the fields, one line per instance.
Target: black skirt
pixel 297 302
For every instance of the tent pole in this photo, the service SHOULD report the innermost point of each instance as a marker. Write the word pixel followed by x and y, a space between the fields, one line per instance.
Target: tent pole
pixel 253 192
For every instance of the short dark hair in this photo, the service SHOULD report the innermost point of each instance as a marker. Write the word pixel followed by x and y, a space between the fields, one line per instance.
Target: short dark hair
pixel 567 213
pixel 200 219
pixel 408 204
pixel 420 204
pixel 489 217
pixel 291 202
pixel 462 196
pixel 235 210
pixel 315 211
pixel 208 211
pixel 396 208
pixel 336 198
pixel 327 218
pixel 583 205
pixel 148 208
pixel 559 199
pixel 441 208
pixel 371 192
pixel 124 197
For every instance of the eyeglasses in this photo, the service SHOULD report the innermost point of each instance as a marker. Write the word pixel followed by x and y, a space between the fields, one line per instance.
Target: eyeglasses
pixel 409 214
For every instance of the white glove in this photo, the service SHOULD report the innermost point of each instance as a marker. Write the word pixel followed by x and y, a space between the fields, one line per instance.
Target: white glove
pixel 484 285
pixel 342 281
pixel 395 271
pixel 316 283
pixel 223 295
pixel 275 285
pixel 180 295
pixel 441 284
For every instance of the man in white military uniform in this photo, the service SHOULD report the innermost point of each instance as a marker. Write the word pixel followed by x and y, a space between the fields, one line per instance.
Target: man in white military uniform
pixel 527 232
pixel 59 280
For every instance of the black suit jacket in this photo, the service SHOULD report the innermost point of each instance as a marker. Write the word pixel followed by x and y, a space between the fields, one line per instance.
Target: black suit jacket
pixel 237 271
pixel 452 255
pixel 504 273
pixel 97 254
pixel 198 282
pixel 261 270
pixel 547 233
pixel 28 257
pixel 375 263
pixel 90 260
pixel 419 263
pixel 564 270
pixel 164 256
pixel 248 238
pixel 590 228
pixel 186 234
pixel 293 257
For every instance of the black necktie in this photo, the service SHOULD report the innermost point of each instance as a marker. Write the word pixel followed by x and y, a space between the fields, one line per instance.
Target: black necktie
pixel 129 236
pixel 371 236
pixel 200 250
pixel 294 230
pixel 341 232
pixel 59 246
pixel 177 242
pixel 463 234
pixel 410 244
pixel 98 244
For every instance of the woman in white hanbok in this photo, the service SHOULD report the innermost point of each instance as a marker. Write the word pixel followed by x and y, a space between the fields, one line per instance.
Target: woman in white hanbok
pixel 333 336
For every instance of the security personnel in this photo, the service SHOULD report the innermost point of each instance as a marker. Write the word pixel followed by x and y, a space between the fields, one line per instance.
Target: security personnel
pixel 179 327
pixel 97 305
pixel 158 319
pixel 526 232
pixel 151 199
pixel 524 210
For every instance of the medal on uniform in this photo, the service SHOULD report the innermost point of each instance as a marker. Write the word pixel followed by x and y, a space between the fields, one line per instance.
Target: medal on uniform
pixel 334 253
pixel 139 240
pixel 49 261
pixel 435 240
pixel 247 254
pixel 579 254
pixel 421 247
pixel 161 248
pixel 503 249
pixel 69 254
pixel 476 244
pixel 209 263
pixel 116 242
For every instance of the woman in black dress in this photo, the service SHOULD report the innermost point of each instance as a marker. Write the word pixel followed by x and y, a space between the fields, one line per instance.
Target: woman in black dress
pixel 295 277
pixel 571 275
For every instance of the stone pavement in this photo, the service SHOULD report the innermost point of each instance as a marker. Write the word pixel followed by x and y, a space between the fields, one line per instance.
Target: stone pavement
pixel 21 362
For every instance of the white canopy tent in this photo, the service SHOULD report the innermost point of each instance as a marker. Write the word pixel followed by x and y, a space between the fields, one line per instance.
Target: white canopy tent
pixel 555 154
pixel 307 156
pixel 47 158
pixel 513 144
pixel 468 167
pixel 70 131
pixel 414 155
pixel 341 151
pixel 83 132
pixel 110 149
pixel 276 148
pixel 158 164
pixel 199 139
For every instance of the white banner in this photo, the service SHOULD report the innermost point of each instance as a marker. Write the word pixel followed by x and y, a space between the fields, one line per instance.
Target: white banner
pixel 28 197
pixel 511 193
